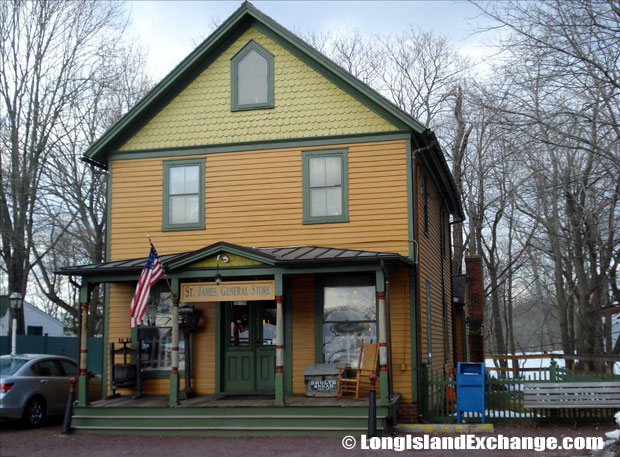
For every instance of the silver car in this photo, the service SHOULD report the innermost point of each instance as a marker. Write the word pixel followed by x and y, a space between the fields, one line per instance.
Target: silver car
pixel 34 386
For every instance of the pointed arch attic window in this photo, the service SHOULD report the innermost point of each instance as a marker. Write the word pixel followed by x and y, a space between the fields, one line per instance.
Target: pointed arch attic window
pixel 252 79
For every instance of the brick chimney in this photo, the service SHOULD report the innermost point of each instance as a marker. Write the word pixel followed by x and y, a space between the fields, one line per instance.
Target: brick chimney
pixel 475 307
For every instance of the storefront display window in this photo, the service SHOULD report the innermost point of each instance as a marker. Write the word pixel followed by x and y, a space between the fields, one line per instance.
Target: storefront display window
pixel 156 336
pixel 349 317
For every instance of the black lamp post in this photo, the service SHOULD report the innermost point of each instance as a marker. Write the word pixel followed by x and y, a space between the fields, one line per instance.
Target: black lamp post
pixel 16 301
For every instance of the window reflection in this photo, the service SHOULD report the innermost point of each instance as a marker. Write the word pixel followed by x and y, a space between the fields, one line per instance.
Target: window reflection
pixel 239 325
pixel 349 317
pixel 268 322
pixel 156 336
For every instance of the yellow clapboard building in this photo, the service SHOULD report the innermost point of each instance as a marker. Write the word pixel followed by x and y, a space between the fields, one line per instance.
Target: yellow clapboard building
pixel 297 214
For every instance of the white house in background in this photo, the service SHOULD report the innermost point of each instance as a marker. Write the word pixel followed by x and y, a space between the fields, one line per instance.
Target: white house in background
pixel 36 322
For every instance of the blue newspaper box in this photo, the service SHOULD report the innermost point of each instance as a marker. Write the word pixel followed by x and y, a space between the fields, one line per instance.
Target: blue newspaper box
pixel 469 389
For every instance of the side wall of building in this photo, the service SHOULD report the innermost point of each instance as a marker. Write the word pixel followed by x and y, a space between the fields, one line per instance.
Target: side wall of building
pixel 434 276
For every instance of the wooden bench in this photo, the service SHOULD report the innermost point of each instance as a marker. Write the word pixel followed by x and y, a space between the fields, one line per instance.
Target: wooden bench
pixel 570 395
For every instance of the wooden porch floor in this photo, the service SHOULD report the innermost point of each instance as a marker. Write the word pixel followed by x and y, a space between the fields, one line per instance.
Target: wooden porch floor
pixel 227 401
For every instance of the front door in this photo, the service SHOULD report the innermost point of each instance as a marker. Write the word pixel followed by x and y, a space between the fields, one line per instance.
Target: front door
pixel 249 346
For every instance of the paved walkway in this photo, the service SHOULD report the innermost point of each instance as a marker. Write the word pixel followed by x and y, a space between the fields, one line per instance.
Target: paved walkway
pixel 48 442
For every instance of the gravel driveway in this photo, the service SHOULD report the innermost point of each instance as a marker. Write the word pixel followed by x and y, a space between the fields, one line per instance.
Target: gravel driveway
pixel 47 441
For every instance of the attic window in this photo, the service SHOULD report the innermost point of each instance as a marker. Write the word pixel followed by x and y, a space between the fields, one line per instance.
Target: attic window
pixel 252 78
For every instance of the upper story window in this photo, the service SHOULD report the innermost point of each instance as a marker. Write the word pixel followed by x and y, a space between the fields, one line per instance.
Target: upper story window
pixel 325 186
pixel 252 78
pixel 183 195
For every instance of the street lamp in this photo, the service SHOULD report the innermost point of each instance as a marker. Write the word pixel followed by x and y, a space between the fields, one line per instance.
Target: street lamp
pixel 16 301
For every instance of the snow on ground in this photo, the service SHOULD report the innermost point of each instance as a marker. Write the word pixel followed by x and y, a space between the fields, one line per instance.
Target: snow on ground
pixel 535 364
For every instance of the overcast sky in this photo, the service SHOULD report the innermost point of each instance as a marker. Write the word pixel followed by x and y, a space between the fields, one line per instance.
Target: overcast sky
pixel 169 30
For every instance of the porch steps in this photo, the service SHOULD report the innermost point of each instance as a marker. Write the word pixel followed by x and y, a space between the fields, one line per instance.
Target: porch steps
pixel 236 421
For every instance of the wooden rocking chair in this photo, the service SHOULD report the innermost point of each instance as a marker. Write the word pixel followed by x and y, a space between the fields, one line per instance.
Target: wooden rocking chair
pixel 360 383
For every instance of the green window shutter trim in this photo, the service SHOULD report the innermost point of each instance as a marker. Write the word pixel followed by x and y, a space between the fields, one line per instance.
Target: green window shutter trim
pixel 306 156
pixel 234 86
pixel 167 164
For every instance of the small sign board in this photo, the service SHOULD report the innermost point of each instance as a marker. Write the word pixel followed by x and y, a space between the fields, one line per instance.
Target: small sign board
pixel 228 291
pixel 321 380
pixel 322 385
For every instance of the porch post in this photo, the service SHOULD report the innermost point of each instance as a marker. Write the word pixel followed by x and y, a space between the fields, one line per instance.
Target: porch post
pixel 83 378
pixel 384 386
pixel 279 377
pixel 173 398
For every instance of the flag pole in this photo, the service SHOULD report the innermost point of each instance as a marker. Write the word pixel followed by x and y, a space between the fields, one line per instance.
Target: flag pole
pixel 165 274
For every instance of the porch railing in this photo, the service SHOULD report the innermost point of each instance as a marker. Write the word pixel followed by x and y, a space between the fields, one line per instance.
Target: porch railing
pixel 504 396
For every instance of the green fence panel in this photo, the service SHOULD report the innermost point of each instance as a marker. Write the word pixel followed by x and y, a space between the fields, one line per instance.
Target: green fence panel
pixel 56 345
pixel 504 396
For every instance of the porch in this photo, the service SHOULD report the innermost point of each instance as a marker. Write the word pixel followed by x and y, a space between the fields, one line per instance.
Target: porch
pixel 231 415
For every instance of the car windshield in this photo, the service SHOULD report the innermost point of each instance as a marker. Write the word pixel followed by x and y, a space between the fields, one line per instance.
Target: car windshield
pixel 10 365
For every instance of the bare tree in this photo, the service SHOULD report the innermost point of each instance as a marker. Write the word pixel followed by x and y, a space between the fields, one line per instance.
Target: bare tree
pixel 49 53
pixel 561 61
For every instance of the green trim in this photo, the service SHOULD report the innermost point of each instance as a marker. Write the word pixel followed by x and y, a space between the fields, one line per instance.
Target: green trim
pixel 380 282
pixel 306 156
pixel 83 390
pixel 172 84
pixel 288 337
pixel 217 249
pixel 207 51
pixel 279 385
pixel 258 145
pixel 384 387
pixel 167 165
pixel 429 324
pixel 335 74
pixel 134 338
pixel 106 290
pixel 319 357
pixel 413 322
pixel 238 271
pixel 108 216
pixel 85 291
pixel 410 193
pixel 234 77
pixel 218 347
pixel 175 382
pixel 173 398
pixel 106 330
pixel 425 203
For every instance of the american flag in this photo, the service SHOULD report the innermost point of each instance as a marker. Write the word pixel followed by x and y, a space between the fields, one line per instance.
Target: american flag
pixel 153 270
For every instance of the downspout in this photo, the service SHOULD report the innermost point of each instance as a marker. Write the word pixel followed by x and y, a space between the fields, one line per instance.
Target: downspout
pixel 416 310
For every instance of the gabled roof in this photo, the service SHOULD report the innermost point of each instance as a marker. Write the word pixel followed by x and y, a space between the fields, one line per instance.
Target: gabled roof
pixel 282 256
pixel 244 17
pixel 199 59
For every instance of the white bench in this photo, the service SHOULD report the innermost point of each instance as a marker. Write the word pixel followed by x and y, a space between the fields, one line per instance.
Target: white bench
pixel 569 395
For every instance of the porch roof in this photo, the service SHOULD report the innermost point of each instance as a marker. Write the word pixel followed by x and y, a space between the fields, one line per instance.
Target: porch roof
pixel 280 256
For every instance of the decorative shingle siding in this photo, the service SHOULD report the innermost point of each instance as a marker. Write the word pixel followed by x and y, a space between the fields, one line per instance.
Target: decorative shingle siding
pixel 306 105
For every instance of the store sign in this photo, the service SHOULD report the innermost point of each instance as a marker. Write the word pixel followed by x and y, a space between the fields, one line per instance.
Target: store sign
pixel 228 291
